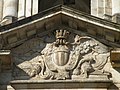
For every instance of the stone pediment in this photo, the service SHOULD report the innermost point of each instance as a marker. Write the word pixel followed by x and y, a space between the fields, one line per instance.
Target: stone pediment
pixel 59 55
pixel 60 46
pixel 60 16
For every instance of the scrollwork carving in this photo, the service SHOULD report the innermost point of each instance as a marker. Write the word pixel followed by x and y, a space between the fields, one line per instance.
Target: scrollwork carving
pixel 62 59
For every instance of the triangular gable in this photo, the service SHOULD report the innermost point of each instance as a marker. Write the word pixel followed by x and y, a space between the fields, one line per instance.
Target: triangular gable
pixel 105 31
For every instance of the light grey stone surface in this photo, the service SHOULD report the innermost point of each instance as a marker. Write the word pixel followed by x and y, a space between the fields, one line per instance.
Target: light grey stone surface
pixel 116 11
pixel 9 11
pixel 21 9
pixel 1 9
pixel 10 8
pixel 115 7
pixel 28 8
pixel 35 7
pixel 94 7
pixel 100 8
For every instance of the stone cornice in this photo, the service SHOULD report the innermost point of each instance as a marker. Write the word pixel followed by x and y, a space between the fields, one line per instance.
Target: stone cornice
pixel 64 10
pixel 55 17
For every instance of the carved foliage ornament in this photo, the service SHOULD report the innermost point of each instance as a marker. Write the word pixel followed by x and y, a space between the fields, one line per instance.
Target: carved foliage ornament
pixel 62 60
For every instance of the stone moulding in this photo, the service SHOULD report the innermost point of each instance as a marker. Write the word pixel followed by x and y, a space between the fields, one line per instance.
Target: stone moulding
pixel 60 84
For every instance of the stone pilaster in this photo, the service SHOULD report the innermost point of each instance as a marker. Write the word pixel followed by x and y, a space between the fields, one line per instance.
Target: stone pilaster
pixel 107 10
pixel 35 7
pixel 97 8
pixel 1 9
pixel 108 7
pixel 9 11
pixel 94 7
pixel 28 8
pixel 21 9
pixel 101 8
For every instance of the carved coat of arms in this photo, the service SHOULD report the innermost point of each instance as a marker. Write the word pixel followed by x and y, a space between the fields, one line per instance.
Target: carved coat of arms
pixel 63 60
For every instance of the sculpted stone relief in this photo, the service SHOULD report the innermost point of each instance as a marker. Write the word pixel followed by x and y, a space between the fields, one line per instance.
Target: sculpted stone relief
pixel 64 55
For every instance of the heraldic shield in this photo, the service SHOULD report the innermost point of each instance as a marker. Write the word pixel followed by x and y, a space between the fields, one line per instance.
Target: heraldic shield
pixel 61 51
pixel 61 55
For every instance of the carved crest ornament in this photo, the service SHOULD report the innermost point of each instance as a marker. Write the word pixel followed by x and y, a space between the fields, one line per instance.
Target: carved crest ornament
pixel 63 59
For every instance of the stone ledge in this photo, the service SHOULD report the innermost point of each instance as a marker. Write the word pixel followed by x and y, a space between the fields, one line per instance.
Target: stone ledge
pixel 59 84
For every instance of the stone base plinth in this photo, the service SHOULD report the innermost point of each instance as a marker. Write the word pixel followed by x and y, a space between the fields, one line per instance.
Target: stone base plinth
pixel 61 84
pixel 91 77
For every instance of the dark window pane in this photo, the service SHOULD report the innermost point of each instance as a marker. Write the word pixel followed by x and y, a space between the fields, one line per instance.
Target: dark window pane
pixel 68 2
